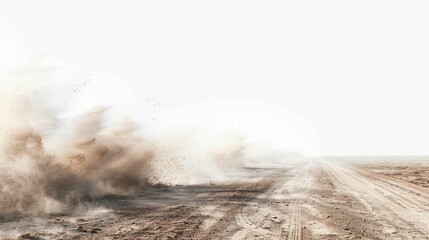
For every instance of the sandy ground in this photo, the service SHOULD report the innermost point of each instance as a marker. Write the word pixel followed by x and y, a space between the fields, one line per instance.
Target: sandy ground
pixel 312 199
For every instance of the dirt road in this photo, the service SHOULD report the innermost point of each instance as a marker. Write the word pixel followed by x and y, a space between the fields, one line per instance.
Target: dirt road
pixel 314 199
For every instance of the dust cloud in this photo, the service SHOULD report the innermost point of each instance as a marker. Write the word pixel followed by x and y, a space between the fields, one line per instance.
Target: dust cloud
pixel 52 165
pixel 91 161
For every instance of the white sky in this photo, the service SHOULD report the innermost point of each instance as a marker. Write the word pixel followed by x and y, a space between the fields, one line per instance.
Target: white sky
pixel 355 72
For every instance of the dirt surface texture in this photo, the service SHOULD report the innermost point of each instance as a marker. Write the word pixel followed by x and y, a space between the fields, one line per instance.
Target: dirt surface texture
pixel 306 199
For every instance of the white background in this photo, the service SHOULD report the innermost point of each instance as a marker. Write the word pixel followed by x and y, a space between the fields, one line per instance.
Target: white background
pixel 352 75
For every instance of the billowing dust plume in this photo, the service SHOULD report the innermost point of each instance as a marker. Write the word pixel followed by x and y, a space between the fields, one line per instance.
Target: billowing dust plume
pixel 50 165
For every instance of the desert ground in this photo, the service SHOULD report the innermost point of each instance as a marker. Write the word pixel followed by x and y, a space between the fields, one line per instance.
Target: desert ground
pixel 326 198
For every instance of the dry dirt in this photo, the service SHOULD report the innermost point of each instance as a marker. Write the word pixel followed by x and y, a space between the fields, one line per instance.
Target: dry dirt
pixel 314 199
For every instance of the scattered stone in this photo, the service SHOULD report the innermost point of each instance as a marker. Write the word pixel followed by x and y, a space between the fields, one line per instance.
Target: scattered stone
pixel 171 235
pixel 95 230
pixel 28 236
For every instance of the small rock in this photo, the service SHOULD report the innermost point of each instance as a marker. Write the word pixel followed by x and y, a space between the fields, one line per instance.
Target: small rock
pixel 171 235
pixel 25 236
pixel 95 230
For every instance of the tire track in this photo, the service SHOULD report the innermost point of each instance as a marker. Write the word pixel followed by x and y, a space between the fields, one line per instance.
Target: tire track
pixel 295 231
pixel 388 201
pixel 299 187
pixel 268 216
